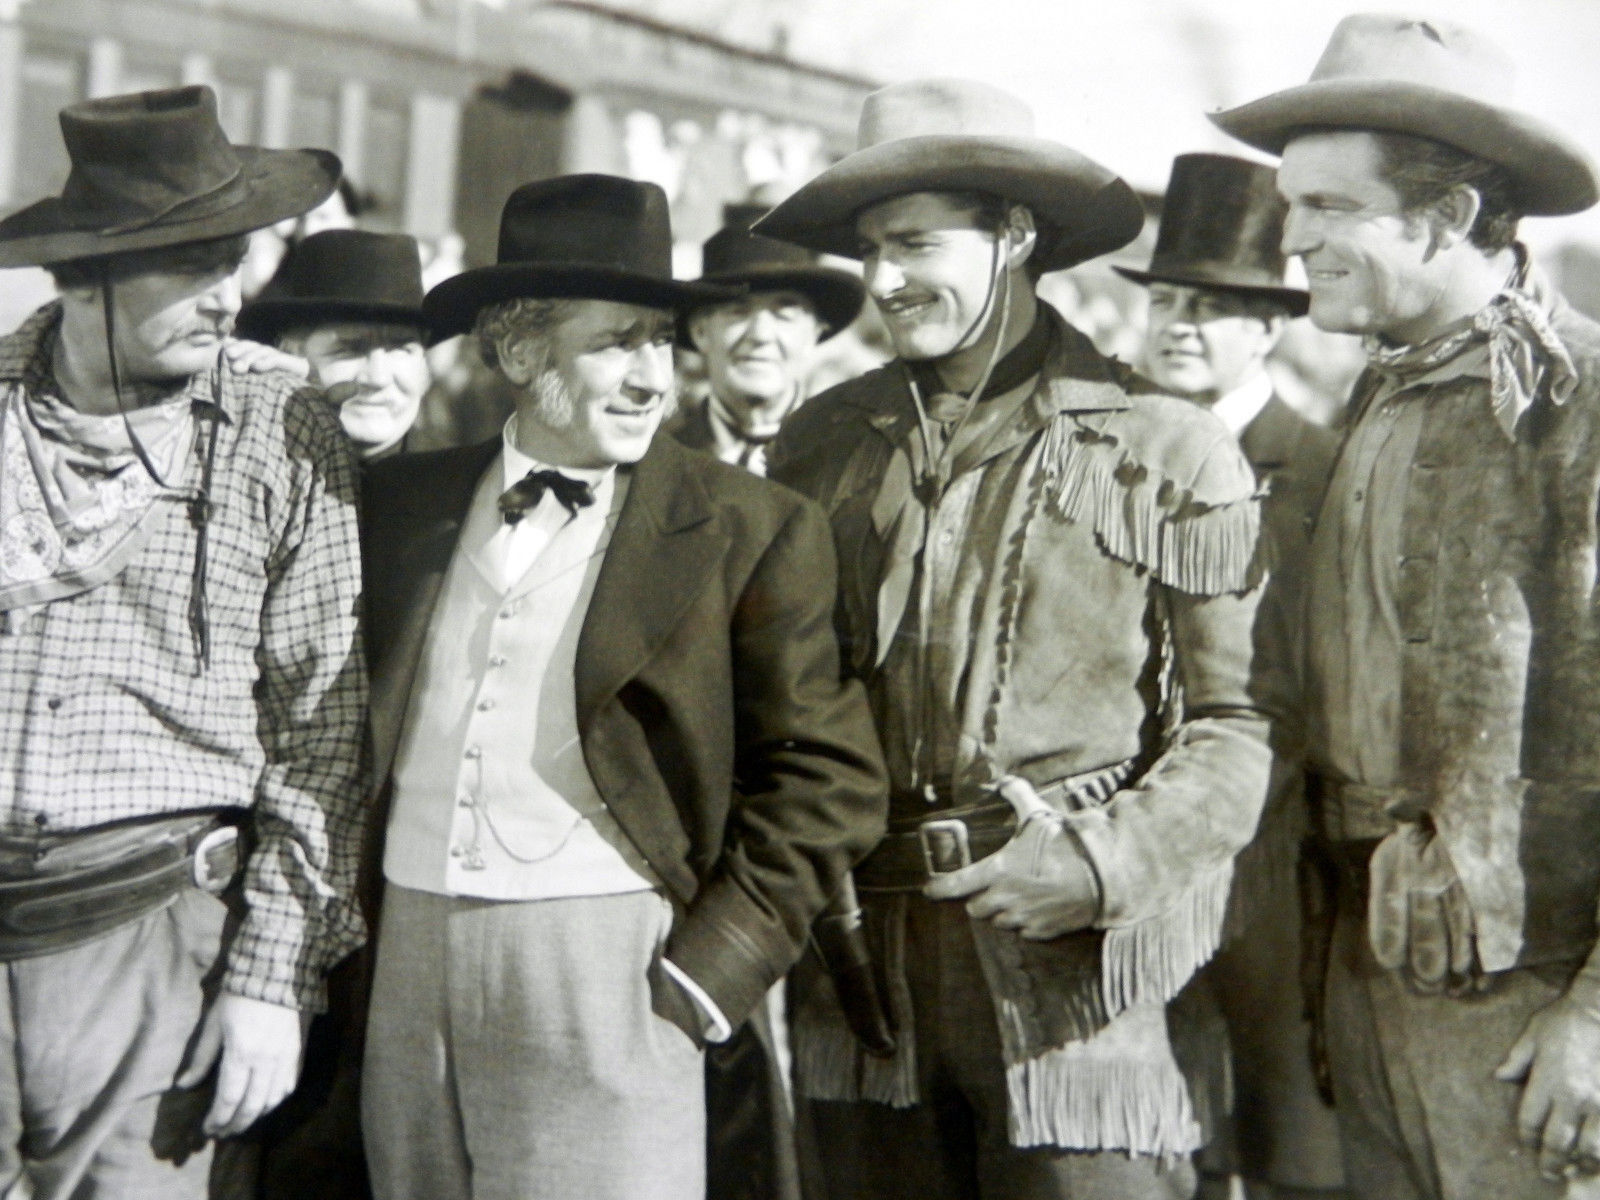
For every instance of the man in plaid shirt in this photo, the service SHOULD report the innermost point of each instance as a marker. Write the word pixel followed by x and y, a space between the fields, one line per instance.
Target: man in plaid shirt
pixel 184 686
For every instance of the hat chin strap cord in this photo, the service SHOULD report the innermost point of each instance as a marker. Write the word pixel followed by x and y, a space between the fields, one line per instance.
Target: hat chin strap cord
pixel 199 501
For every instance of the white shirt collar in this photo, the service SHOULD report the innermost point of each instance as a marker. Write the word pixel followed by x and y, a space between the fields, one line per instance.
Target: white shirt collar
pixel 1244 404
pixel 515 464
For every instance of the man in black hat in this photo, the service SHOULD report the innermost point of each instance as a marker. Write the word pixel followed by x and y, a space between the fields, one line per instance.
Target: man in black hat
pixel 1218 304
pixel 185 695
pixel 1035 548
pixel 621 772
pixel 349 303
pixel 759 346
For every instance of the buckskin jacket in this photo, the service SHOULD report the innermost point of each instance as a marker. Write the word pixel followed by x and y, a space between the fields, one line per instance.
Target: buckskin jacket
pixel 1500 673
pixel 1111 559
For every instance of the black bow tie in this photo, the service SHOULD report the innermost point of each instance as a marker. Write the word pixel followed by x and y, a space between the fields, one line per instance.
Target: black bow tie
pixel 572 494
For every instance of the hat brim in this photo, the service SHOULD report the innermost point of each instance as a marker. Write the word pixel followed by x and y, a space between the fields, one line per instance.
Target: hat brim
pixel 273 185
pixel 264 320
pixel 1555 176
pixel 836 295
pixel 1092 210
pixel 453 305
pixel 1296 300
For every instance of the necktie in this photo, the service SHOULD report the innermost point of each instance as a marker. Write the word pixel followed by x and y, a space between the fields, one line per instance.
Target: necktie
pixel 526 493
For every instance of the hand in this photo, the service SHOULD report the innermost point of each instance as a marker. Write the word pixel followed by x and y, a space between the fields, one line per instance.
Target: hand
pixel 1038 883
pixel 260 1046
pixel 1559 1057
pixel 254 358
pixel 1418 918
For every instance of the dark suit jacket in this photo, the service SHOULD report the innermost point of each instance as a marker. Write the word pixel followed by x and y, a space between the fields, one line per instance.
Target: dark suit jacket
pixel 711 706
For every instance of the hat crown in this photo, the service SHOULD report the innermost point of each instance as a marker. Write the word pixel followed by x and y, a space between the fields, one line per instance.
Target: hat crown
pixel 137 157
pixel 941 107
pixel 1414 50
pixel 353 267
pixel 1223 219
pixel 737 249
pixel 588 220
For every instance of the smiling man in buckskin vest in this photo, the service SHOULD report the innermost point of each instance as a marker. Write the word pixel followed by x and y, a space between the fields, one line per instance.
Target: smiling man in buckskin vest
pixel 1039 554
pixel 184 687
pixel 1453 647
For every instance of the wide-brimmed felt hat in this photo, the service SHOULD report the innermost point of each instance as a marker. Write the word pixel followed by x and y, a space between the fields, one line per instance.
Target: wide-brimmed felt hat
pixel 154 169
pixel 592 237
pixel 957 135
pixel 340 275
pixel 1222 227
pixel 735 257
pixel 1433 79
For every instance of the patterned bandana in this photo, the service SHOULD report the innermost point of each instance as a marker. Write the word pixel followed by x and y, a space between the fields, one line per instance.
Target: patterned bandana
pixel 1523 347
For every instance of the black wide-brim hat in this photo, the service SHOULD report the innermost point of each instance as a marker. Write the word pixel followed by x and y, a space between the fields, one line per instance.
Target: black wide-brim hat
pixel 1222 229
pixel 578 237
pixel 956 135
pixel 340 275
pixel 733 257
pixel 1431 79
pixel 154 169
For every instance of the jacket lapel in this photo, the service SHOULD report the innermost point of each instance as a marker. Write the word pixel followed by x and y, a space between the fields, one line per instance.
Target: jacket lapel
pixel 663 549
pixel 1269 441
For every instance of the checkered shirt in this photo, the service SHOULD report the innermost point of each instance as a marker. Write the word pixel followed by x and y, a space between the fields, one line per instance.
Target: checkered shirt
pixel 106 713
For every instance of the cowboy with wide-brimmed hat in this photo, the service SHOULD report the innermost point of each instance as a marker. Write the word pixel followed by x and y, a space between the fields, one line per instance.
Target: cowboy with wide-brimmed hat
pixel 999 484
pixel 1451 629
pixel 186 701
pixel 759 346
pixel 621 772
pixel 349 303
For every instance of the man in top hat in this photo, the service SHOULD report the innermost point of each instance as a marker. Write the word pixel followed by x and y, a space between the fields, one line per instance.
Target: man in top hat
pixel 185 693
pixel 1452 642
pixel 620 768
pixel 1036 548
pixel 758 346
pixel 1217 305
pixel 349 303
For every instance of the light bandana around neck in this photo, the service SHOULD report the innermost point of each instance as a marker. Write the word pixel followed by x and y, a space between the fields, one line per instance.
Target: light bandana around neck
pixel 1523 347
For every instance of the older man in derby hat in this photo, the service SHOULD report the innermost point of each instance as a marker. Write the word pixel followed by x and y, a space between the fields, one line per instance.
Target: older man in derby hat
pixel 1036 549
pixel 1451 642
pixel 620 765
pixel 1218 304
pixel 349 303
pixel 185 687
pixel 758 347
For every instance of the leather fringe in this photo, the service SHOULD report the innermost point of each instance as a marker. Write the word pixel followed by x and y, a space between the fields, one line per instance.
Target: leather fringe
pixel 1059 1099
pixel 1145 519
pixel 1149 963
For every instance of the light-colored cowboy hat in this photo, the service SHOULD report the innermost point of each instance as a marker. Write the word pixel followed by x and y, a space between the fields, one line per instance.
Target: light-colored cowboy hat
pixel 1433 79
pixel 957 135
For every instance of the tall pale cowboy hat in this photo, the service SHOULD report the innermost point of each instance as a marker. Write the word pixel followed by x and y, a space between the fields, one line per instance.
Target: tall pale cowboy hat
pixel 1433 79
pixel 593 237
pixel 957 135
pixel 154 169
pixel 1222 228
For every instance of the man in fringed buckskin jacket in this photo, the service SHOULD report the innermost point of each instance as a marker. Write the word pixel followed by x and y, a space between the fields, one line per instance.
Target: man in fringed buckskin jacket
pixel 1453 645
pixel 1048 581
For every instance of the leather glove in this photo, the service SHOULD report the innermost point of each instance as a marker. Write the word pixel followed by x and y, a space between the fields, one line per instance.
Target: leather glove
pixel 1418 918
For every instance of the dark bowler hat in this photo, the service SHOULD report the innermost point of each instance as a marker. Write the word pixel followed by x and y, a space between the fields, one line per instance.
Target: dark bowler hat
pixel 154 169
pixel 735 257
pixel 956 135
pixel 590 237
pixel 1222 227
pixel 1434 79
pixel 340 275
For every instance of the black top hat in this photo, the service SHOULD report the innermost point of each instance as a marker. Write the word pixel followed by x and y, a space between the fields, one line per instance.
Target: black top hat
pixel 154 169
pixel 340 275
pixel 594 237
pixel 735 257
pixel 1222 227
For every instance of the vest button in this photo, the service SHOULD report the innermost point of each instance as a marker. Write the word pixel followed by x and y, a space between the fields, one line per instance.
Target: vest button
pixel 474 752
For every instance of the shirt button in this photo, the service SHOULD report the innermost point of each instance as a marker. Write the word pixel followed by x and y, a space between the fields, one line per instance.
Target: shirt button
pixel 509 610
pixel 474 752
pixel 464 801
pixel 1359 495
pixel 41 819
pixel 55 703
pixel 497 660
pixel 485 704
pixel 946 537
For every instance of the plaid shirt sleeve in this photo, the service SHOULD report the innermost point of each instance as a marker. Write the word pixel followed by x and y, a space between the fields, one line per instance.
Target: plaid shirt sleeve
pixel 301 914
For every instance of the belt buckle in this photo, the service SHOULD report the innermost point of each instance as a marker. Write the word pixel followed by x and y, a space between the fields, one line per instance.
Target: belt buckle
pixel 209 878
pixel 946 845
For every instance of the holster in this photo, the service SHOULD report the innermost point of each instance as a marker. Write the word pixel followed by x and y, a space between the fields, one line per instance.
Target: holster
pixel 841 941
pixel 1317 874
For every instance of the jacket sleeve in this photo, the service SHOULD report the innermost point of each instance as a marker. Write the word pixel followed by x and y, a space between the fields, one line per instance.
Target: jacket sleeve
pixel 811 792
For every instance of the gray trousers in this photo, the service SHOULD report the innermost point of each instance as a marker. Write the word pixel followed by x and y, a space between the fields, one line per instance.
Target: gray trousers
pixel 513 1054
